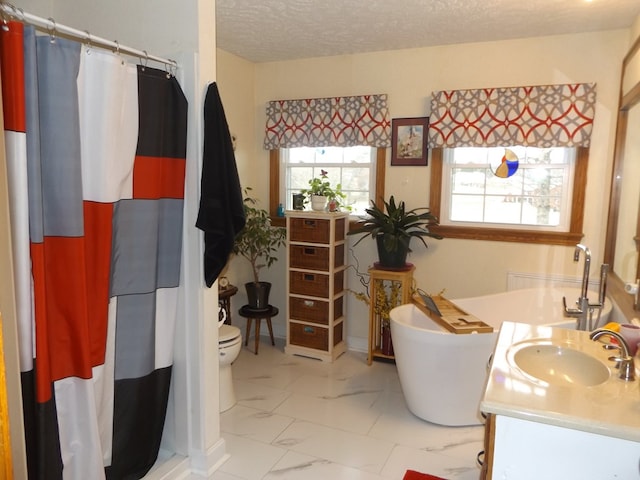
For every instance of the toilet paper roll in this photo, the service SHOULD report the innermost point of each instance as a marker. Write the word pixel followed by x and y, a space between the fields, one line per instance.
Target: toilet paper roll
pixel 631 288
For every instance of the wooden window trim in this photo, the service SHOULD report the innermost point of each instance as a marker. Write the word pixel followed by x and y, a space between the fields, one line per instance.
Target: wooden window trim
pixel 274 187
pixel 573 236
pixel 274 184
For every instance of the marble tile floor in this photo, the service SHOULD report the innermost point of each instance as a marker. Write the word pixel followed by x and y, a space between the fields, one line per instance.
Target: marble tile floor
pixel 300 418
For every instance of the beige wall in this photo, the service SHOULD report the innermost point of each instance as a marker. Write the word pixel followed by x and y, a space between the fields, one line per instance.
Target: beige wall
pixel 635 28
pixel 462 267
pixel 632 74
pixel 236 82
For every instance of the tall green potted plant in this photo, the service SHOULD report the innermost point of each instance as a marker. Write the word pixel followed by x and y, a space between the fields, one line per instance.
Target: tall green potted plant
pixel 393 230
pixel 258 243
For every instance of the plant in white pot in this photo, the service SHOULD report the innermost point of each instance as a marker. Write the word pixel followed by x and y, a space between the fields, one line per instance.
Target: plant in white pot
pixel 320 192
pixel 258 243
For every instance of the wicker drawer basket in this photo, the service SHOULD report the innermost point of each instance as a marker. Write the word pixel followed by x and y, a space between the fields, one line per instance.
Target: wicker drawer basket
pixel 314 284
pixel 314 258
pixel 309 230
pixel 311 258
pixel 309 336
pixel 315 311
pixel 314 230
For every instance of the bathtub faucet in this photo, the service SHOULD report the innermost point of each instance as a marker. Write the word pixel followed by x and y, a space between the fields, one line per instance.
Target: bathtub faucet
pixel 584 310
pixel 587 265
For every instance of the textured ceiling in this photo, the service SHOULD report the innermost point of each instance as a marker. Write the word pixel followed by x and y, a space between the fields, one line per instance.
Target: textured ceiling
pixel 272 30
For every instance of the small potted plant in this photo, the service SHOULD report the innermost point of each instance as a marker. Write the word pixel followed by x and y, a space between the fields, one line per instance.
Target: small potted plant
pixel 258 243
pixel 320 192
pixel 393 230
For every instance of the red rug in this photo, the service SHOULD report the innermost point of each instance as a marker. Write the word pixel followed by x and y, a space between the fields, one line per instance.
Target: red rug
pixel 413 475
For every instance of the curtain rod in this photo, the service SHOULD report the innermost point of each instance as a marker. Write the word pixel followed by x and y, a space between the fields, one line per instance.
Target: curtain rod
pixel 53 28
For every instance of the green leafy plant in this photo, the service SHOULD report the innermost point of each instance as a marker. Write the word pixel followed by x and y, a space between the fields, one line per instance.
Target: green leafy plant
pixel 397 226
pixel 258 241
pixel 322 186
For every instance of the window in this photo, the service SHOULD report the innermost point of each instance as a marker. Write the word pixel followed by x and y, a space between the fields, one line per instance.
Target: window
pixel 540 202
pixel 351 167
pixel 562 116
pixel 330 121
pixel 482 191
pixel 280 193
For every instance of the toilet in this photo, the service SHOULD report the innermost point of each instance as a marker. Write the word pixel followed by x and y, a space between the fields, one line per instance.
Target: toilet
pixel 229 345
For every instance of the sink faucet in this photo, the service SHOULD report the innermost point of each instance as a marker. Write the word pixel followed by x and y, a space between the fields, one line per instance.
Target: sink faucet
pixel 585 310
pixel 627 365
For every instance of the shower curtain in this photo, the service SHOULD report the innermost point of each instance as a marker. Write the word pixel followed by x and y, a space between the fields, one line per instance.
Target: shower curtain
pixel 96 159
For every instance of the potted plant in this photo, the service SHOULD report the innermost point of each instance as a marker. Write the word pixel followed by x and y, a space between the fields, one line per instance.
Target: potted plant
pixel 320 192
pixel 394 230
pixel 258 242
pixel 388 296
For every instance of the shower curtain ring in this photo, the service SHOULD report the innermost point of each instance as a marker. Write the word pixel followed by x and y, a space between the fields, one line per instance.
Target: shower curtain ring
pixel 170 67
pixel 20 15
pixel 17 12
pixel 122 62
pixel 4 14
pixel 88 39
pixel 52 30
pixel 143 64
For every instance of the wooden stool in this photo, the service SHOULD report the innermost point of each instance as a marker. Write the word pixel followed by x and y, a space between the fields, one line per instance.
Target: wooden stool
pixel 224 300
pixel 257 315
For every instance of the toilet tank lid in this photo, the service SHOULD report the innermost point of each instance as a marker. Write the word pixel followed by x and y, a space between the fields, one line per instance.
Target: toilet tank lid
pixel 226 333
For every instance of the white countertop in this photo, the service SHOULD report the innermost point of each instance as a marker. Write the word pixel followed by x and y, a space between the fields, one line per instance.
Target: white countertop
pixel 611 408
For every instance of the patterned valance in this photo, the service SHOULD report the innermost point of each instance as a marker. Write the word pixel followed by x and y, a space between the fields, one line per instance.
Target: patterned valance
pixel 539 116
pixel 324 122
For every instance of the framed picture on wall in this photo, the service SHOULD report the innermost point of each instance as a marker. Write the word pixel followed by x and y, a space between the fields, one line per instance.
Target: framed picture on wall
pixel 409 141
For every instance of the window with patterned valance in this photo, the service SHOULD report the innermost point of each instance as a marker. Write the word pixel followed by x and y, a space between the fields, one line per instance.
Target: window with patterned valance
pixel 332 121
pixel 537 116
pixel 480 191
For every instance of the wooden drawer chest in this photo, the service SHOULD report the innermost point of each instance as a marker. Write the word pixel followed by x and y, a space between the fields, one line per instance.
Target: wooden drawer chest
pixel 316 287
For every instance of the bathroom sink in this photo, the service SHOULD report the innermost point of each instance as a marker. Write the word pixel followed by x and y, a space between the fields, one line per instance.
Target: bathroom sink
pixel 559 365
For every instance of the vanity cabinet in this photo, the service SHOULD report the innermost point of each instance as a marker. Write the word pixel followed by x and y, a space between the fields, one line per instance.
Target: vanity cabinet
pixel 557 421
pixel 316 284
pixel 530 450
pixel 486 458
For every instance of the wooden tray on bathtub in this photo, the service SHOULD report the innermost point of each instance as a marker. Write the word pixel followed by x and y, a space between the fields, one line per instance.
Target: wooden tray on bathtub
pixel 451 317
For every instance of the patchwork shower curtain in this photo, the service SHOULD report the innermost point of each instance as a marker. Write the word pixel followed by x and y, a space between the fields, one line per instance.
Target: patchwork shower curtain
pixel 96 159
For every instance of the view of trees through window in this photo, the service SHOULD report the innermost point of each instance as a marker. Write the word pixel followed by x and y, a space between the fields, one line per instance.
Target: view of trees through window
pixel 513 186
pixel 351 167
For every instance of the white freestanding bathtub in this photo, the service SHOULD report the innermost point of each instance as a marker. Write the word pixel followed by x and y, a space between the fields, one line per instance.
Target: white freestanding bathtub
pixel 443 374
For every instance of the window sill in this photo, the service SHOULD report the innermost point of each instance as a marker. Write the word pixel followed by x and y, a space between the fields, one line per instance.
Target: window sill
pixel 489 234
pixel 502 235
